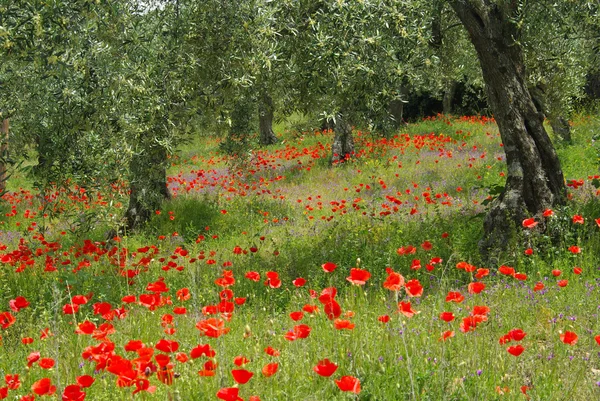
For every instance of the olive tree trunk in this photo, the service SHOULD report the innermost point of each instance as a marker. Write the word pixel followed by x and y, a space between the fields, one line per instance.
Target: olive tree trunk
pixel 3 154
pixel 148 185
pixel 448 99
pixel 265 120
pixel 535 180
pixel 343 143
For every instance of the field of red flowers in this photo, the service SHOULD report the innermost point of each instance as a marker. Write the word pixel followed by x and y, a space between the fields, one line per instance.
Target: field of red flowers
pixel 291 280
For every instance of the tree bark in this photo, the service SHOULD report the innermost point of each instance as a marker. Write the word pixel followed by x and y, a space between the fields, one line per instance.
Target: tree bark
pixel 3 154
pixel 535 180
pixel 265 120
pixel 448 99
pixel 343 143
pixel 148 186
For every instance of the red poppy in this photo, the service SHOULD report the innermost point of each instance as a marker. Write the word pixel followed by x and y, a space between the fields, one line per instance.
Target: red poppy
pixel 577 219
pixel 406 309
pixel 299 282
pixel 597 338
pixel 272 351
pixel 240 360
pixel 229 394
pixel 32 358
pixel 349 383
pixel 481 273
pixel 358 276
pixel 296 316
pixel 466 267
pixel 406 250
pixel 340 324
pixel 300 331
pixel 530 223
pixel 183 294
pixel 212 327
pixel 332 309
pixel 506 270
pixel 556 272
pixel 273 280
pixel 427 246
pixel 516 350
pixel 548 213
pixel 538 286
pixel 43 387
pixel 85 327
pixel 384 318
pixel 447 316
pixel 520 276
pixel 73 393
pixel 253 276
pixel 329 267
pixel 325 368
pixel 46 363
pixel 85 380
pixel 454 296
pixel 563 283
pixel 18 303
pixel 12 381
pixel 394 281
pixel 167 346
pixel 476 287
pixel 569 338
pixel 270 369
pixel 577 270
pixel 308 308
pixel 241 376
pixel 517 334
pixel 574 249
pixel 201 350
pixel 413 288
pixel 528 252
pixel 446 335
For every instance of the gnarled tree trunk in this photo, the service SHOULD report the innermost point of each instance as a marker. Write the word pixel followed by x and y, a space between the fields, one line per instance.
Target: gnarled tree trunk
pixel 535 180
pixel 265 120
pixel 148 186
pixel 343 143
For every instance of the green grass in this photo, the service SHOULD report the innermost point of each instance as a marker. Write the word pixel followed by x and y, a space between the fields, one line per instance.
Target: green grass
pixel 289 213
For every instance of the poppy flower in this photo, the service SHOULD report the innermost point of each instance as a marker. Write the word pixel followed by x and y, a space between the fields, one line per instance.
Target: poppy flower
pixel 308 308
pixel 481 273
pixel 574 249
pixel 520 276
pixel 349 383
pixel 597 338
pixel 253 276
pixel 329 267
pixel 528 252
pixel 446 335
pixel 427 246
pixel 530 223
pixel 406 309
pixel 569 337
pixel 358 276
pixel 202 350
pixel 394 281
pixel 563 283
pixel 384 318
pixel 46 363
pixel 538 286
pixel 229 394
pixel 241 376
pixel 577 270
pixel 240 360
pixel 340 324
pixel 548 213
pixel 43 387
pixel 517 334
pixel 506 270
pixel 299 282
pixel 212 327
pixel 466 267
pixel 476 287
pixel 325 368
pixel 516 350
pixel 270 369
pixel 12 381
pixel 273 280
pixel 18 303
pixel 296 316
pixel 167 346
pixel 332 309
pixel 577 219
pixel 272 351
pixel 73 393
pixel 454 296
pixel 413 288
pixel 447 316
pixel 556 272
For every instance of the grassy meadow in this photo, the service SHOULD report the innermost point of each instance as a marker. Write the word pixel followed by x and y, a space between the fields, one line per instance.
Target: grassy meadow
pixel 287 279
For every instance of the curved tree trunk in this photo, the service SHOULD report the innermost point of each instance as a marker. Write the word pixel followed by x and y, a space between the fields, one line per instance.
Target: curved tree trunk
pixel 148 186
pixel 265 120
pixel 535 180
pixel 343 143
pixel 3 155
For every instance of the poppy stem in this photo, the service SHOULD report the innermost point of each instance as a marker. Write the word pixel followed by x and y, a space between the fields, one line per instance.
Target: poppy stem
pixel 408 362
